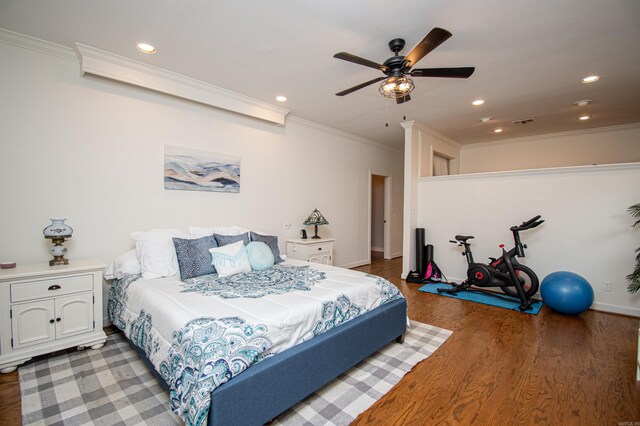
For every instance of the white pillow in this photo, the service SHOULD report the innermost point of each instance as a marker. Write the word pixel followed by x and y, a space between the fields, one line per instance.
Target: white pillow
pixel 197 232
pixel 230 259
pixel 156 252
pixel 124 264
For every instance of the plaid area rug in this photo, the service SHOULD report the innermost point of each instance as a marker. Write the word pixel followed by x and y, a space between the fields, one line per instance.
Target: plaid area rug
pixel 108 386
pixel 113 386
pixel 342 400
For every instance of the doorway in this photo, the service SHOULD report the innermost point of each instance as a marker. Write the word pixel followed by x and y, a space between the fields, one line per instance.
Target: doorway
pixel 379 216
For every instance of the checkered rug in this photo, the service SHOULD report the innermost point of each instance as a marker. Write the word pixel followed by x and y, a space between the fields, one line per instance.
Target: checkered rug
pixel 340 402
pixel 113 386
pixel 108 386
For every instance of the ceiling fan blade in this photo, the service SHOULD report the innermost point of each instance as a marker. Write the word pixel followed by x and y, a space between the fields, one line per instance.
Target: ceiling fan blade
pixel 404 99
pixel 359 86
pixel 432 40
pixel 461 72
pixel 360 61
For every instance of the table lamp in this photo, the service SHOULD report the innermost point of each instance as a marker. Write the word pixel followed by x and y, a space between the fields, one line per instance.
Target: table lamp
pixel 315 219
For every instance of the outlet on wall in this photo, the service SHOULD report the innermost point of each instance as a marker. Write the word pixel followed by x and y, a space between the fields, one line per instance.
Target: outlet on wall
pixel 287 226
pixel 606 286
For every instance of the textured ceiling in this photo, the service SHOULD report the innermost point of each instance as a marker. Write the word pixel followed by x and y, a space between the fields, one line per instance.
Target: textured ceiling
pixel 529 56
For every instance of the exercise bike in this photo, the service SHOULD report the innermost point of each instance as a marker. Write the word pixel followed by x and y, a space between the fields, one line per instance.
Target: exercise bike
pixel 514 279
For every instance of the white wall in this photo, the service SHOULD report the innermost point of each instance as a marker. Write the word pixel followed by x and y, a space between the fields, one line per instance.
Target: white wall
pixel 606 145
pixel 587 229
pixel 91 150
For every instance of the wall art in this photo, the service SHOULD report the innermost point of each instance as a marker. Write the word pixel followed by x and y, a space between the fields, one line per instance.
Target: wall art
pixel 195 170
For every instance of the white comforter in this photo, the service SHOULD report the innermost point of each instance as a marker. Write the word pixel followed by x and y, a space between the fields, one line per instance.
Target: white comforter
pixel 199 336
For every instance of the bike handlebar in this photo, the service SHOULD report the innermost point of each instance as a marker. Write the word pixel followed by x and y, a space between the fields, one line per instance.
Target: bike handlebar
pixel 529 224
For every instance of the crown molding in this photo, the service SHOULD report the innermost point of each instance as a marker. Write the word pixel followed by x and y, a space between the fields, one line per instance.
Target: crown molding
pixel 105 64
pixel 544 136
pixel 430 131
pixel 344 134
pixel 37 45
pixel 109 65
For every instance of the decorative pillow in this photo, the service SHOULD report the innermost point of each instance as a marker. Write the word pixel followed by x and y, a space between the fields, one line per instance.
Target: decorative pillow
pixel 223 240
pixel 156 253
pixel 123 265
pixel 230 259
pixel 220 230
pixel 260 256
pixel 271 241
pixel 193 256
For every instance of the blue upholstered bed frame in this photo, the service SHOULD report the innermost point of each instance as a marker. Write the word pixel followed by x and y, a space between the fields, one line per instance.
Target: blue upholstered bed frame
pixel 272 386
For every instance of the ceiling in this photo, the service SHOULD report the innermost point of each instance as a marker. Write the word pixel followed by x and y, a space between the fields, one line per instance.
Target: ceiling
pixel 529 56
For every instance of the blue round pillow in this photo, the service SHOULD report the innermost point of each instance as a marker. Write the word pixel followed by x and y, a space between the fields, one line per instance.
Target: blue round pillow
pixel 260 256
pixel 566 292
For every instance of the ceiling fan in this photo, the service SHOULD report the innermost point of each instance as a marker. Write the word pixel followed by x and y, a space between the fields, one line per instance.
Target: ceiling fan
pixel 396 84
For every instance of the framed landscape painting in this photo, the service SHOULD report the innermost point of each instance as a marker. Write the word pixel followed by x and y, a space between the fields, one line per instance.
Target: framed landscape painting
pixel 195 170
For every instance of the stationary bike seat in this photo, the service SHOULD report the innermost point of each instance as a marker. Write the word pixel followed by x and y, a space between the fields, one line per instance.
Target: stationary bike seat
pixel 464 238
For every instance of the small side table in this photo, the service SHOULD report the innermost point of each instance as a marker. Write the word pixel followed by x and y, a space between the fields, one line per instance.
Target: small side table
pixel 48 308
pixel 311 250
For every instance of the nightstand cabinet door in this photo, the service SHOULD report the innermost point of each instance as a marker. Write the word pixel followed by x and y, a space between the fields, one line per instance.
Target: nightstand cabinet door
pixel 74 315
pixel 325 259
pixel 31 323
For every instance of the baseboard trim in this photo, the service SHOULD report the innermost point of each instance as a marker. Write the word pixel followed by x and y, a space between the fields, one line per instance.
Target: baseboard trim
pixel 378 249
pixel 615 309
pixel 396 254
pixel 355 264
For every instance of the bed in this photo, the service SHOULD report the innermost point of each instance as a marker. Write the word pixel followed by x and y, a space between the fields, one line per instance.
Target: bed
pixel 289 330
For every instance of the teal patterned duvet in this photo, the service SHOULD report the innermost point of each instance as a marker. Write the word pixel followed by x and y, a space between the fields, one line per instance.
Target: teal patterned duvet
pixel 203 332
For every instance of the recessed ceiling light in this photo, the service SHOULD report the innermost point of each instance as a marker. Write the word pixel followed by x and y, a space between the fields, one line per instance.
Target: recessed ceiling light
pixel 477 102
pixel 281 98
pixel 583 102
pixel 498 130
pixel 584 117
pixel 486 119
pixel 590 79
pixel 146 48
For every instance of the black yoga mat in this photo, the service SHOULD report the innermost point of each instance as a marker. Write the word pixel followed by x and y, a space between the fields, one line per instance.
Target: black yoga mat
pixel 420 263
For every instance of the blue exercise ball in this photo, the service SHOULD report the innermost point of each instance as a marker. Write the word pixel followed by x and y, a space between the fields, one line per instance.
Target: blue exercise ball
pixel 566 292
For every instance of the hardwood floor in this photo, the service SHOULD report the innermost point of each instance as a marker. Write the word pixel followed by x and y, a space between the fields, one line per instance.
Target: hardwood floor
pixel 499 367
pixel 502 367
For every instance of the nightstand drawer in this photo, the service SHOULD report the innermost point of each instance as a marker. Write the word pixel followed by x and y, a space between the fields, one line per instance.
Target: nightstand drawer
pixel 320 248
pixel 29 290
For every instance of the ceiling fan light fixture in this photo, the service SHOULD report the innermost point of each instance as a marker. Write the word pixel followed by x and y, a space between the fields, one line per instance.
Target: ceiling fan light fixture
pixel 396 87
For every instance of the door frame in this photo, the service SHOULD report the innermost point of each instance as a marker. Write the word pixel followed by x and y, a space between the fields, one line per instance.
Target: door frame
pixel 387 213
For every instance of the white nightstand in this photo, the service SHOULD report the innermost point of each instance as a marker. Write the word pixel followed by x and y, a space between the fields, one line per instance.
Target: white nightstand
pixel 311 250
pixel 48 308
